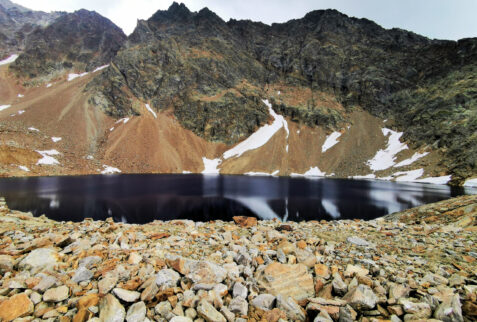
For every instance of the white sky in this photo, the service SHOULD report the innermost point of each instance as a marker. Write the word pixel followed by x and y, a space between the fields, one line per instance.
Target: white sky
pixel 442 19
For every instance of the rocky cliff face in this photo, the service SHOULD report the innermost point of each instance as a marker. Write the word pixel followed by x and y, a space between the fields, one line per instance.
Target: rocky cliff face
pixel 315 70
pixel 16 23
pixel 81 40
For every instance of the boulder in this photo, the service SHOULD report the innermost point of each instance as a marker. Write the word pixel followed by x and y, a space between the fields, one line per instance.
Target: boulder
pixel 41 258
pixel 287 280
pixel 17 306
pixel 361 298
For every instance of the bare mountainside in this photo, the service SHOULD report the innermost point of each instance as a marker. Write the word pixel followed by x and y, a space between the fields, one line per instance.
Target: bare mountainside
pixel 188 92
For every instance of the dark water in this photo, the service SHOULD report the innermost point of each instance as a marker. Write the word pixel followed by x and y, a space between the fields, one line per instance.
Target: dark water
pixel 144 198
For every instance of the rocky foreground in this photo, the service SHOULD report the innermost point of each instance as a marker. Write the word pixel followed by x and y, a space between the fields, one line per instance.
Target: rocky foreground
pixel 416 265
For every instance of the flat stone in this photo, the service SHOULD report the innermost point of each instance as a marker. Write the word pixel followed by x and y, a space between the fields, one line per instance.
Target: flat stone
pixel 239 290
pixel 180 319
pixel 45 283
pixel 209 313
pixel 89 261
pixel 264 301
pixel 352 270
pixel 239 306
pixel 357 241
pixel 56 294
pixel 167 278
pixel 107 283
pixel 17 306
pixel 361 298
pixel 450 310
pixel 136 312
pixel 288 305
pixel 6 263
pixel 82 274
pixel 126 295
pixel 287 280
pixel 41 258
pixel 111 310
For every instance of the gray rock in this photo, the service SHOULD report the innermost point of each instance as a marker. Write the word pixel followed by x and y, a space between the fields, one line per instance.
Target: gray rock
pixel 136 312
pixel 207 273
pixel 228 315
pixel 89 261
pixel 396 291
pixel 57 294
pixel 107 283
pixel 82 274
pixel 339 287
pixel 40 258
pixel 191 313
pixel 357 241
pixel 111 310
pixel 35 298
pixel 167 278
pixel 221 289
pixel 291 308
pixel 239 290
pixel 418 310
pixel 282 258
pixel 163 308
pixel 361 298
pixel 209 313
pixel 347 314
pixel 239 306
pixel 126 295
pixel 180 319
pixel 264 301
pixel 450 310
pixel 46 282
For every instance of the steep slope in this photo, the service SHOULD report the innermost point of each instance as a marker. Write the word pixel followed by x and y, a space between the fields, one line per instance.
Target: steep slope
pixel 16 22
pixel 213 75
pixel 82 40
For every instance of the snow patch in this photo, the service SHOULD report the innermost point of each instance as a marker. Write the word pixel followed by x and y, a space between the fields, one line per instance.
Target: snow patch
pixel 100 68
pixel 109 170
pixel 470 183
pixel 298 132
pixel 33 129
pixel 151 110
pixel 186 172
pixel 20 95
pixel 9 60
pixel 89 157
pixel 261 136
pixel 211 166
pixel 74 76
pixel 111 129
pixel 331 140
pixel 385 159
pixel 20 112
pixel 264 174
pixel 436 180
pixel 22 167
pixel 47 158
pixel 313 172
pixel 123 120
pixel 4 107
pixel 411 160
pixel 408 176
pixel 56 139
pixel 49 85
pixel 368 176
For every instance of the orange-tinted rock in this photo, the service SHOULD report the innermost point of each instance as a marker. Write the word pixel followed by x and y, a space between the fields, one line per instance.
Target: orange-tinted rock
pixel 245 222
pixel 87 301
pixel 17 306
pixel 301 244
pixel 287 280
pixel 322 270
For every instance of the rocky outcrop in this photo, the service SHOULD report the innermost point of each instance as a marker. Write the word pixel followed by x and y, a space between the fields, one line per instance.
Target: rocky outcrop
pixel 212 74
pixel 16 23
pixel 82 40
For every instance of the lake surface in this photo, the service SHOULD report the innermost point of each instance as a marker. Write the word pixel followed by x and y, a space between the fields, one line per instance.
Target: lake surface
pixel 144 198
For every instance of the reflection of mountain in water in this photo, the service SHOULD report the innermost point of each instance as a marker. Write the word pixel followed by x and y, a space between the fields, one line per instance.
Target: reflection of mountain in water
pixel 144 198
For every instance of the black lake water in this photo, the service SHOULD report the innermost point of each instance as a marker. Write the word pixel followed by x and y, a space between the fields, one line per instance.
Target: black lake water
pixel 144 198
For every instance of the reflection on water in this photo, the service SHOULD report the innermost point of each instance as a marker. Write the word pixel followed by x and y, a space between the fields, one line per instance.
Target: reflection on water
pixel 144 198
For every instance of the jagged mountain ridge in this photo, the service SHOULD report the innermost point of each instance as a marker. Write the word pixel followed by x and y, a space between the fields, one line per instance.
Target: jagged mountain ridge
pixel 16 22
pixel 83 40
pixel 355 61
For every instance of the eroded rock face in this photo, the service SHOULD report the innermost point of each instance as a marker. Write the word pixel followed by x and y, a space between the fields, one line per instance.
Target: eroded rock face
pixel 82 40
pixel 287 280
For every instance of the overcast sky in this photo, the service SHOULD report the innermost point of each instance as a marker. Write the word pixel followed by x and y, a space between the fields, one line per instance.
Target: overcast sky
pixel 442 19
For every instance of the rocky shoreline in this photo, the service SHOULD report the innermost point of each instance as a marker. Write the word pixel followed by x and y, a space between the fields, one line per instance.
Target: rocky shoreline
pixel 420 264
